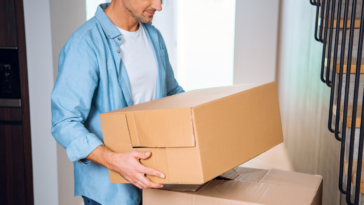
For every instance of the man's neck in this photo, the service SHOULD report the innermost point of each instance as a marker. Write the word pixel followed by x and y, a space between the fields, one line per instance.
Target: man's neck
pixel 121 17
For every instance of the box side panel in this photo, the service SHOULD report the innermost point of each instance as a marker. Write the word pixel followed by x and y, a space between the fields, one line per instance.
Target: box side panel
pixel 237 128
pixel 317 200
pixel 157 161
pixel 203 200
pixel 161 197
pixel 287 195
pixel 115 131
pixel 184 165
pixel 293 179
pixel 180 165
pixel 184 162
pixel 161 128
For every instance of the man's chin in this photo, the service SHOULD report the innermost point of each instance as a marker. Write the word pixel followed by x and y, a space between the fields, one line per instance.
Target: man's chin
pixel 147 19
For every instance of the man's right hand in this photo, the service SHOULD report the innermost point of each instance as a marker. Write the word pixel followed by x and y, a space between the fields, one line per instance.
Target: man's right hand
pixel 127 165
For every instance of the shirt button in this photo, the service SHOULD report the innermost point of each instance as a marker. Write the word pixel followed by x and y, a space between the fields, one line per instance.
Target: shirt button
pixel 118 51
pixel 109 36
pixel 119 38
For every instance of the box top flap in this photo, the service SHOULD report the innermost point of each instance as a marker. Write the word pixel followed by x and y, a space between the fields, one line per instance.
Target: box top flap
pixel 292 179
pixel 274 187
pixel 161 128
pixel 189 99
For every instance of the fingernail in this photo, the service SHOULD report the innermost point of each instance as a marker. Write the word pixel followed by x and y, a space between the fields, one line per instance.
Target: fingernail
pixel 147 153
pixel 162 186
pixel 162 176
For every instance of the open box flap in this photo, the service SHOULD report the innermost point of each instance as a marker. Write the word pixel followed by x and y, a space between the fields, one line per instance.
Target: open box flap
pixel 244 174
pixel 236 174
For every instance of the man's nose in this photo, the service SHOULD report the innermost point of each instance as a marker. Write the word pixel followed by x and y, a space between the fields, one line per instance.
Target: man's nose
pixel 157 5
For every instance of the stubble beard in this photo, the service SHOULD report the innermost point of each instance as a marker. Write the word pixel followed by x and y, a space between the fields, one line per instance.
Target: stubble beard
pixel 140 18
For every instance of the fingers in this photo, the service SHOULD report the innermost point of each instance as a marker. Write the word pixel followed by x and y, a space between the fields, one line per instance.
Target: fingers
pixel 153 172
pixel 140 185
pixel 136 183
pixel 148 184
pixel 143 182
pixel 137 171
pixel 141 155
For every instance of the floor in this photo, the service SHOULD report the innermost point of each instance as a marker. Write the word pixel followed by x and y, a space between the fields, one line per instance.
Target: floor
pixel 275 158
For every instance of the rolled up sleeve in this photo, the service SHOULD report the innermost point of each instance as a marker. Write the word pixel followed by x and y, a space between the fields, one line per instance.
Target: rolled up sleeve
pixel 71 99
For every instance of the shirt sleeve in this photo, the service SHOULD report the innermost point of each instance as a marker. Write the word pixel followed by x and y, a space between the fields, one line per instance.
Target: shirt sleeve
pixel 172 85
pixel 71 99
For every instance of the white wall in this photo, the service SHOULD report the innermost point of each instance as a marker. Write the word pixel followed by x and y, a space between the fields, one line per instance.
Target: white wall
pixel 304 99
pixel 40 76
pixel 205 43
pixel 256 35
pixel 165 21
pixel 48 25
pixel 91 7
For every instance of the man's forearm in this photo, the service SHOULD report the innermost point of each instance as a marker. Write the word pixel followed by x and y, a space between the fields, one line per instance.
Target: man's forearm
pixel 102 156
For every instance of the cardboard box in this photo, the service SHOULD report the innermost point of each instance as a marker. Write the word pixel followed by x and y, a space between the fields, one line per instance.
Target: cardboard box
pixel 246 186
pixel 197 135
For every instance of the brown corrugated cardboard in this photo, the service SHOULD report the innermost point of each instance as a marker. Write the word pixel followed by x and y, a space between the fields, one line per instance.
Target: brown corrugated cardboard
pixel 246 186
pixel 197 135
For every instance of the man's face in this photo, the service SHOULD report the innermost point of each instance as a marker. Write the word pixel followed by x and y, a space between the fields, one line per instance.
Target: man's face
pixel 143 10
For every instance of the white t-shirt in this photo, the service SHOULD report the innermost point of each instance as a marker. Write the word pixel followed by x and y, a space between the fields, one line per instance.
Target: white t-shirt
pixel 138 58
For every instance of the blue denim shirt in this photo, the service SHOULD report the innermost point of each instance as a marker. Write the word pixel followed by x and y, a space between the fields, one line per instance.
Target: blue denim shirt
pixel 92 80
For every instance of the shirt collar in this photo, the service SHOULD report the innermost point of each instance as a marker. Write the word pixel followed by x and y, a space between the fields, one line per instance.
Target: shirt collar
pixel 109 28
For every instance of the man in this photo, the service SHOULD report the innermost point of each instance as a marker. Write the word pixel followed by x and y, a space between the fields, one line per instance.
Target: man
pixel 114 60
